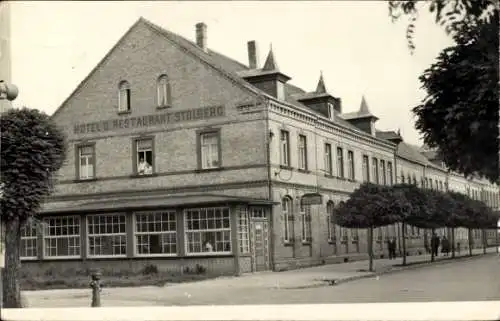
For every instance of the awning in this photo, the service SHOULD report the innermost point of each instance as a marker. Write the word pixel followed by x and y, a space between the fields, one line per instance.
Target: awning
pixel 147 203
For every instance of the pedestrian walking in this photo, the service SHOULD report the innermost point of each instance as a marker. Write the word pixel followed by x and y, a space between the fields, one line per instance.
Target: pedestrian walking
pixel 391 246
pixel 445 246
pixel 435 241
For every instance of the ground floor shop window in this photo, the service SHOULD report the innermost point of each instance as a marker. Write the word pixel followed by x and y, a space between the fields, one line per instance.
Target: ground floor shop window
pixel 29 242
pixel 208 230
pixel 62 237
pixel 156 233
pixel 107 235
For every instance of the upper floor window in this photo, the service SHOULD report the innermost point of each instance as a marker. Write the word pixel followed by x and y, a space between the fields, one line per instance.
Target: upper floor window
pixel 210 150
pixel 86 162
pixel 383 177
pixel 375 170
pixel 350 163
pixel 144 156
pixel 331 111
pixel 366 169
pixel 285 148
pixel 340 162
pixel 124 96
pixel 163 91
pixel 328 159
pixel 302 152
pixel 389 172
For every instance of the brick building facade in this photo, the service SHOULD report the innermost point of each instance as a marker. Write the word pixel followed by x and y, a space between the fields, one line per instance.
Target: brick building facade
pixel 179 156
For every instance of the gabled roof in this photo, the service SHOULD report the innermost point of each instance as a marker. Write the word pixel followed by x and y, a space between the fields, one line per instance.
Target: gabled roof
pixel 390 134
pixel 230 68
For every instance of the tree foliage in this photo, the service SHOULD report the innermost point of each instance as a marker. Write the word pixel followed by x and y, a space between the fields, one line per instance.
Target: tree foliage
pixel 459 115
pixel 33 148
pixel 423 212
pixel 369 206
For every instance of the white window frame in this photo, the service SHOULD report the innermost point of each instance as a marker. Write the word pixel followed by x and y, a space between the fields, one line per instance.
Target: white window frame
pixel 226 215
pixel 124 90
pixel 383 174
pixel 89 162
pixel 305 218
pixel 366 168
pixel 340 162
pixel 142 152
pixel 375 173
pixel 209 150
pixel 351 169
pixel 47 236
pixel 285 148
pixel 287 210
pixel 151 217
pixel 389 173
pixel 332 237
pixel 162 96
pixel 29 241
pixel 302 146
pixel 243 231
pixel 328 159
pixel 121 235
pixel 331 111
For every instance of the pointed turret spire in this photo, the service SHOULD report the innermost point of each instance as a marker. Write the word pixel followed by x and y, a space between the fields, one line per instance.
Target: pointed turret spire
pixel 364 106
pixel 270 63
pixel 321 88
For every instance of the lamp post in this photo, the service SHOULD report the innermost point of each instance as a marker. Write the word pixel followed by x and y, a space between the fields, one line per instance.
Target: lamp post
pixel 8 92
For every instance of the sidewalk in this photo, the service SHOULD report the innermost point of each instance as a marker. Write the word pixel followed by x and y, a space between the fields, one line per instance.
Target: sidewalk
pixel 294 279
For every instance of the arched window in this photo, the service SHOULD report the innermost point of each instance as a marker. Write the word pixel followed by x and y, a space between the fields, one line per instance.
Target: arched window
pixel 287 218
pixel 163 91
pixel 124 96
pixel 305 218
pixel 330 221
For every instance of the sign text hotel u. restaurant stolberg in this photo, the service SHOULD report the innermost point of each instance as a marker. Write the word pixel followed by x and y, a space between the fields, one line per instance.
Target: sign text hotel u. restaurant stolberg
pixel 149 120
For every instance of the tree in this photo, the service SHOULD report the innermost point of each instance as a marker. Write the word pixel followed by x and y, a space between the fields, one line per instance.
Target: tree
pixel 368 207
pixel 422 212
pixel 33 148
pixel 458 217
pixel 459 115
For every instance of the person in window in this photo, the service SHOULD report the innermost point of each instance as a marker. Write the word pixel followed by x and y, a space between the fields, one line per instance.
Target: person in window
pixel 141 168
pixel 208 246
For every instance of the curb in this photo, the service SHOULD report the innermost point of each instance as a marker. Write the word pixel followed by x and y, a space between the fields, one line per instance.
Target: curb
pixel 332 282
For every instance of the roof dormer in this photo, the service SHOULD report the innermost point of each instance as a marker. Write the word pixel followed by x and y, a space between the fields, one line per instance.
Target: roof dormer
pixel 320 100
pixel 363 118
pixel 268 79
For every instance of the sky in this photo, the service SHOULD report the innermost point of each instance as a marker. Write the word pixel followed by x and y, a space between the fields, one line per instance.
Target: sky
pixel 356 46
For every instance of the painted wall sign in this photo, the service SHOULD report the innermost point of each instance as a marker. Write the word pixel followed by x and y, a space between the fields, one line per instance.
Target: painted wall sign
pixel 312 199
pixel 149 120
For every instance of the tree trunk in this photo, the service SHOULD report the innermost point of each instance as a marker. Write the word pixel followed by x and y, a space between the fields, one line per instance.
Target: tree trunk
pixel 485 241
pixel 403 239
pixel 432 247
pixel 470 241
pixel 10 275
pixel 452 242
pixel 370 248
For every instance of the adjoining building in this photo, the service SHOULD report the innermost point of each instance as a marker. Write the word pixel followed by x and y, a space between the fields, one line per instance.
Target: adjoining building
pixel 180 156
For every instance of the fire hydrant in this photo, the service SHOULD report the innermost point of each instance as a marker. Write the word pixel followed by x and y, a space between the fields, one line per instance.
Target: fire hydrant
pixel 95 285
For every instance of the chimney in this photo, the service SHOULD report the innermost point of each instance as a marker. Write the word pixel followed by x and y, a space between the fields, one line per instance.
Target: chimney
pixel 253 55
pixel 201 36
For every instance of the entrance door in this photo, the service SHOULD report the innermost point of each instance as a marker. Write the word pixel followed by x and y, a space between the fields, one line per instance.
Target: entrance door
pixel 260 244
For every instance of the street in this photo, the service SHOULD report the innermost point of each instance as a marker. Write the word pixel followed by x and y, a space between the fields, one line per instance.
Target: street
pixel 469 280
